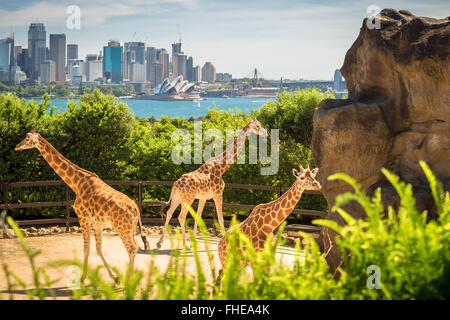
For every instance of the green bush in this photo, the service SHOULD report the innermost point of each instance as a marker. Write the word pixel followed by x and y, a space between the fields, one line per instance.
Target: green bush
pixel 293 112
pixel 412 254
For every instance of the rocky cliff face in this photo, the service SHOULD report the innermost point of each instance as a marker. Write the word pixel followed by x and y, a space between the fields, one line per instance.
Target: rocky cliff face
pixel 398 113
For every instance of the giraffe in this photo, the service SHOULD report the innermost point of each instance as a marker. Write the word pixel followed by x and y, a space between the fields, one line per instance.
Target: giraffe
pixel 96 203
pixel 266 217
pixel 206 182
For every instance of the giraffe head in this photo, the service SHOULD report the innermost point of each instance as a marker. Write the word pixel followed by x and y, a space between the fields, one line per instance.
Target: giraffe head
pixel 255 127
pixel 307 178
pixel 31 141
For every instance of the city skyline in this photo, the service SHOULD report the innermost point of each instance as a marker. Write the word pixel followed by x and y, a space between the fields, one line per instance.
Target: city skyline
pixel 298 39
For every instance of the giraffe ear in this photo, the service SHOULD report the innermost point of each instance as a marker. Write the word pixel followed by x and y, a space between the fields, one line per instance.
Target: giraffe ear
pixel 295 173
pixel 314 171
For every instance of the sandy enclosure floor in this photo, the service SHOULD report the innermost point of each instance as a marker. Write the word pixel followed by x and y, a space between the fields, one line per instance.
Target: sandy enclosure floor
pixel 70 245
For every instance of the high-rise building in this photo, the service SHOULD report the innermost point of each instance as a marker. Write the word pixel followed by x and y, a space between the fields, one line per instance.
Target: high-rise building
pixel 7 53
pixel 208 72
pixel 37 48
pixel 23 60
pixel 179 65
pixel 137 72
pixel 72 52
pixel 176 48
pixel 133 52
pixel 58 55
pixel 163 58
pixel 93 67
pixel 197 74
pixel 189 69
pixel 157 74
pixel 150 59
pixel 17 53
pixel 48 72
pixel 7 59
pixel 113 62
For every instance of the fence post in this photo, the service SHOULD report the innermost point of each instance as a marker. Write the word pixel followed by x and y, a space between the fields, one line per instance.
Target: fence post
pixel 67 209
pixel 5 186
pixel 140 199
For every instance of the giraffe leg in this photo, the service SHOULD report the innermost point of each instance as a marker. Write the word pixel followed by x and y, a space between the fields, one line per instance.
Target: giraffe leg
pixel 201 205
pixel 173 205
pixel 85 224
pixel 218 203
pixel 131 246
pixel 182 220
pixel 98 243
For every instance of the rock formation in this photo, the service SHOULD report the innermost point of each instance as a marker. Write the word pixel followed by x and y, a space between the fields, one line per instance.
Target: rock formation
pixel 398 113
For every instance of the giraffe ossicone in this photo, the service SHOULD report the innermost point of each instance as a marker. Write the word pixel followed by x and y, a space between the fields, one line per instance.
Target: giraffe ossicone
pixel 206 182
pixel 96 203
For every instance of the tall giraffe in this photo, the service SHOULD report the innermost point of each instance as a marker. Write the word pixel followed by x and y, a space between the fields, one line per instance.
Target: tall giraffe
pixel 266 217
pixel 206 182
pixel 96 203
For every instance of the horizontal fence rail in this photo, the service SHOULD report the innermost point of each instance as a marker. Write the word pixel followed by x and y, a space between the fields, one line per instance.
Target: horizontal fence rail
pixel 5 186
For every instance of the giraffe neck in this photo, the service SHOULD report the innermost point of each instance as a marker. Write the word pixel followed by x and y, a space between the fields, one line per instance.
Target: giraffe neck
pixel 229 156
pixel 287 202
pixel 69 172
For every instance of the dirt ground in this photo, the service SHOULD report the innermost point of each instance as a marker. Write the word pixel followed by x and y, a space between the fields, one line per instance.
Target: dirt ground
pixel 70 245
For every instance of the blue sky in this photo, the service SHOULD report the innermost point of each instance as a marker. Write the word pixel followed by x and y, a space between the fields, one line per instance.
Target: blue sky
pixel 283 38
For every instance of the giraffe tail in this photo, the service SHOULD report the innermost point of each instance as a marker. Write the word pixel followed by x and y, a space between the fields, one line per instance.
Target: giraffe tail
pixel 144 239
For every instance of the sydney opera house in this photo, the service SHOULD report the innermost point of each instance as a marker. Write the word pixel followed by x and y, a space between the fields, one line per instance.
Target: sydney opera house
pixel 177 89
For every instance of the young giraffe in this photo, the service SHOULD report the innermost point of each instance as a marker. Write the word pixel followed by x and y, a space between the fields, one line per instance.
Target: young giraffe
pixel 266 217
pixel 96 203
pixel 206 182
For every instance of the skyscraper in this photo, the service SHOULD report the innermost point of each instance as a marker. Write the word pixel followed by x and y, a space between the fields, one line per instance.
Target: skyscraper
pixel 157 74
pixel 58 55
pixel 179 65
pixel 189 69
pixel 150 58
pixel 37 48
pixel 23 60
pixel 72 53
pixel 197 74
pixel 164 60
pixel 113 62
pixel 208 72
pixel 17 53
pixel 7 53
pixel 93 67
pixel 133 52
pixel 48 71
pixel 176 48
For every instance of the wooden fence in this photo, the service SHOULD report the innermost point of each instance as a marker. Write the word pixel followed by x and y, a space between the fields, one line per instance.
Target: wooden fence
pixel 5 186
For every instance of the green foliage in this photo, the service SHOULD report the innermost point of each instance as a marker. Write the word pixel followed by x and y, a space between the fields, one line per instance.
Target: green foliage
pixel 292 111
pixel 413 256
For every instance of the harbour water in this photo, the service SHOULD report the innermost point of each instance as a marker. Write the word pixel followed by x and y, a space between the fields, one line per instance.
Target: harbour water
pixel 180 109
